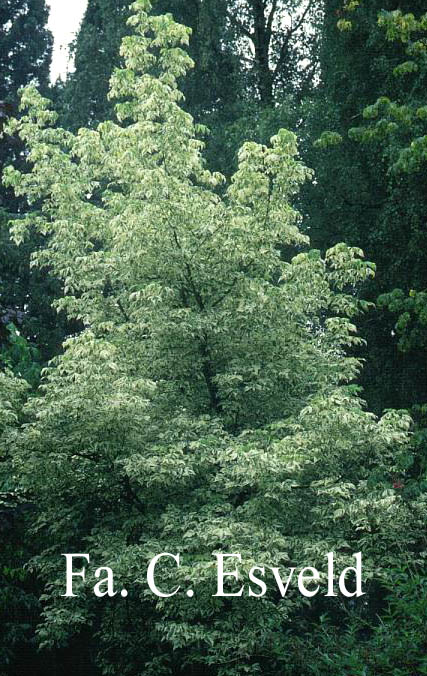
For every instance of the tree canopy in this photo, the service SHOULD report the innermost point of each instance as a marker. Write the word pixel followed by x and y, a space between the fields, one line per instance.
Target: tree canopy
pixel 207 403
pixel 197 387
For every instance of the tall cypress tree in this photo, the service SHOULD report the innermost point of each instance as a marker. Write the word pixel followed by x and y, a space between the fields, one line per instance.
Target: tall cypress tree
pixel 25 54
pixel 84 98
pixel 25 45
pixel 25 294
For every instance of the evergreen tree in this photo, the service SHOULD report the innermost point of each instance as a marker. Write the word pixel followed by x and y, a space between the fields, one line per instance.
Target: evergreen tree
pixel 25 294
pixel 206 406
pixel 83 100
pixel 25 46
pixel 25 53
pixel 26 324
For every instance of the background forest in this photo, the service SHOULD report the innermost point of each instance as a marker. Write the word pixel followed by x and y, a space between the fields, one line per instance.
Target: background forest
pixel 192 225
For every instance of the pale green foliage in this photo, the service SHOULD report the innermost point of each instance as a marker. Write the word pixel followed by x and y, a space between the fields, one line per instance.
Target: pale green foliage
pixel 205 406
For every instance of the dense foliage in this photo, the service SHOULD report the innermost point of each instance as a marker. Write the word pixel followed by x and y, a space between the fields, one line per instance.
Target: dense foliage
pixel 371 178
pixel 26 324
pixel 25 293
pixel 252 67
pixel 205 399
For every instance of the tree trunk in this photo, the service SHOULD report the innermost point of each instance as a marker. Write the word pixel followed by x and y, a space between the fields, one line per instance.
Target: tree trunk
pixel 262 38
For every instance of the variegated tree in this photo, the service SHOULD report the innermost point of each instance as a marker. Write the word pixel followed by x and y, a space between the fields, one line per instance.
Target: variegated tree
pixel 208 405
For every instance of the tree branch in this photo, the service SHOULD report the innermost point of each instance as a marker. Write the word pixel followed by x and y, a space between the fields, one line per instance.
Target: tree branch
pixel 122 310
pixel 209 375
pixel 231 286
pixel 288 36
pixel 207 368
pixel 131 495
pixel 196 294
pixel 93 457
pixel 238 24
pixel 271 17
